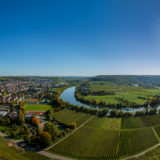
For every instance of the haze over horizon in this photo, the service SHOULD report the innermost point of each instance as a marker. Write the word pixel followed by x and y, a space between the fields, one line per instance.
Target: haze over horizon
pixel 79 38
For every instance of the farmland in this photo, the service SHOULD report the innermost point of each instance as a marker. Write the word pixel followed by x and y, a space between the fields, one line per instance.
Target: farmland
pixel 38 107
pixel 134 94
pixel 68 116
pixel 94 144
pixel 104 123
pixel 107 138
pixel 133 141
pixel 151 155
pixel 138 122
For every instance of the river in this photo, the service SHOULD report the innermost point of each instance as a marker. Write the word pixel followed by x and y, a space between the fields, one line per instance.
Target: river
pixel 68 96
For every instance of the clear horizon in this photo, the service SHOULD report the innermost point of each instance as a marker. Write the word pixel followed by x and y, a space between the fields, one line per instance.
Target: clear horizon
pixel 79 38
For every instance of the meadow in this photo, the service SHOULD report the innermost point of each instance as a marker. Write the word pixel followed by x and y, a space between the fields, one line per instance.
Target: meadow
pixel 38 107
pixel 136 94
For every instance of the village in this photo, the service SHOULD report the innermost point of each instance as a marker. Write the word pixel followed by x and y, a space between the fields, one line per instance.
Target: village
pixel 26 106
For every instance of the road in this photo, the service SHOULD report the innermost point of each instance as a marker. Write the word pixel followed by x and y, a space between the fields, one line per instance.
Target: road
pixel 54 156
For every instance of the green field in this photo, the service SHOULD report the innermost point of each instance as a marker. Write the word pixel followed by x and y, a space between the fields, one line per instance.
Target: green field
pixel 138 122
pixel 151 155
pixel 130 93
pixel 133 141
pixel 38 107
pixel 89 143
pixel 107 138
pixel 104 123
pixel 68 116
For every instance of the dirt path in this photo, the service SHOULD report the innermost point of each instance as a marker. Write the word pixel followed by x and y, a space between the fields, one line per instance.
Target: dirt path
pixel 69 134
pixel 54 156
pixel 142 153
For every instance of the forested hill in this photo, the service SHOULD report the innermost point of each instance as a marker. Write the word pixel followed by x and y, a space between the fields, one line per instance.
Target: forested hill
pixel 129 79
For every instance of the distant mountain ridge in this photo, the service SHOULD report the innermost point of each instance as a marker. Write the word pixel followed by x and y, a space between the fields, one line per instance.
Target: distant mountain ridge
pixel 129 79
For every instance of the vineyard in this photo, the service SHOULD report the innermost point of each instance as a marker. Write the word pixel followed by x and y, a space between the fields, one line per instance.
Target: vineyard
pixel 139 122
pixel 108 138
pixel 133 141
pixel 157 128
pixel 89 143
pixel 151 155
pixel 68 116
pixel 105 123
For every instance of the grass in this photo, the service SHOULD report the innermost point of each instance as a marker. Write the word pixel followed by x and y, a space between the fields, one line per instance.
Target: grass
pixel 133 141
pixel 2 128
pixel 68 116
pixel 11 153
pixel 89 143
pixel 38 107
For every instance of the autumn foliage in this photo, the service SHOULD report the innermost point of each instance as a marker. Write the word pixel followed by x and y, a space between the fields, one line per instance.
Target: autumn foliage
pixel 45 139
pixel 35 121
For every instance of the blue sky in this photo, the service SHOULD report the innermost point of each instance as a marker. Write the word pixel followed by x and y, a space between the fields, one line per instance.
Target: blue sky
pixel 79 37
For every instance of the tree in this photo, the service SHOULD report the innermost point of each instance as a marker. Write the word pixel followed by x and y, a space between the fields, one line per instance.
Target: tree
pixel 50 114
pixel 27 130
pixel 39 131
pixel 73 125
pixel 51 129
pixel 45 139
pixel 35 121
pixel 21 117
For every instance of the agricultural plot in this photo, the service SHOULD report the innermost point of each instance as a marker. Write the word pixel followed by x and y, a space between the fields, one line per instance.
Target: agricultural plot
pixel 89 143
pixel 38 107
pixel 104 123
pixel 133 141
pixel 141 121
pixel 68 116
pixel 151 155
pixel 157 129
pixel 134 94
pixel 131 122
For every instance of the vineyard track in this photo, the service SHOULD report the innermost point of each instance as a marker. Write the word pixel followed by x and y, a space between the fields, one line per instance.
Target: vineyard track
pixel 142 153
pixel 53 156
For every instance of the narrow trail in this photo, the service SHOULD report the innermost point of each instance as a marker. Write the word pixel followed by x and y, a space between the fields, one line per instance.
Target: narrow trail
pixel 54 156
